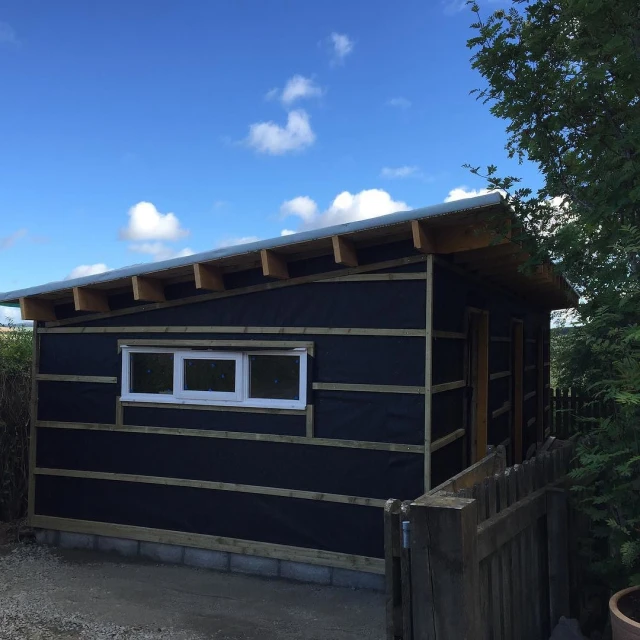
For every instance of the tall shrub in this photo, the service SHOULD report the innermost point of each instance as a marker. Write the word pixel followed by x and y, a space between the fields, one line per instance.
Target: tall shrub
pixel 15 394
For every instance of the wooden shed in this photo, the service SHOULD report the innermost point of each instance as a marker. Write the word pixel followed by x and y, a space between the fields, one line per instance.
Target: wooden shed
pixel 266 399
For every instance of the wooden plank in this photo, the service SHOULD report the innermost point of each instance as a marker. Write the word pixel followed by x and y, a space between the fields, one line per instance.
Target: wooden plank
pixel 453 567
pixel 87 299
pixel 33 418
pixel 505 408
pixel 320 331
pixel 450 335
pixel 406 585
pixel 517 328
pixel 448 439
pixel 59 377
pixel 376 277
pixel 37 309
pixel 344 251
pixel 208 277
pixel 393 575
pixel 244 344
pixel 367 388
pixel 499 375
pixel 148 289
pixel 528 396
pixel 495 591
pixel 274 265
pixel 213 486
pixel 448 386
pixel 423 238
pixel 514 552
pixel 119 412
pixel 236 435
pixel 267 286
pixel 428 375
pixel 479 493
pixel 217 543
pixel 522 539
pixel 213 407
pixel 423 618
pixel 482 387
pixel 309 421
pixel 504 555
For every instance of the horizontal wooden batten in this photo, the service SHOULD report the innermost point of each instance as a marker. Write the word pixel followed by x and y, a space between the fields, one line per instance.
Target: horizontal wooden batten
pixel 528 396
pixel 499 375
pixel 531 422
pixel 216 543
pixel 235 435
pixel 530 367
pixel 377 266
pixel 58 377
pixel 213 407
pixel 506 407
pixel 217 344
pixel 448 386
pixel 448 439
pixel 367 388
pixel 212 486
pixel 500 339
pixel 377 277
pixel 314 331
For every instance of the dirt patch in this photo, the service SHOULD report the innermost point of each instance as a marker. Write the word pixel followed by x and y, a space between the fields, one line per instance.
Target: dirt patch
pixel 72 595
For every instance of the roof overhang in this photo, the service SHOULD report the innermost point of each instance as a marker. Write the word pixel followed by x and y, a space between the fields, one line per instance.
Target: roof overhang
pixel 464 231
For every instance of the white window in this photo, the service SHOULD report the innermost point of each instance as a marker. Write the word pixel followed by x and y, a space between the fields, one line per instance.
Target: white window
pixel 252 379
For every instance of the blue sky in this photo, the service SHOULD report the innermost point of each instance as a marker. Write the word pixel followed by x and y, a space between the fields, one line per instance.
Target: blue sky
pixel 242 119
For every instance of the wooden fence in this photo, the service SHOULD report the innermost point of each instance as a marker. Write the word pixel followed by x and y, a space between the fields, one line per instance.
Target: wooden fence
pixel 569 408
pixel 487 562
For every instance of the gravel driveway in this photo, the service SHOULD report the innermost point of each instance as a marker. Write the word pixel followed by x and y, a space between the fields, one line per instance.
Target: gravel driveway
pixel 77 595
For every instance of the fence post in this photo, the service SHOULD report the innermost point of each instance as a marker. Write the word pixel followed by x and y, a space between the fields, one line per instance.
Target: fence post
pixel 392 546
pixel 558 548
pixel 448 569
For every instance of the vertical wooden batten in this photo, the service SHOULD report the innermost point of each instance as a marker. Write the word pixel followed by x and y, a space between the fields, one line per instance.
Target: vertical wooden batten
pixel 423 240
pixel 35 365
pixel 518 388
pixel 148 289
pixel 344 251
pixel 482 400
pixel 273 265
pixel 37 309
pixel 86 299
pixel 428 372
pixel 208 277
pixel 540 386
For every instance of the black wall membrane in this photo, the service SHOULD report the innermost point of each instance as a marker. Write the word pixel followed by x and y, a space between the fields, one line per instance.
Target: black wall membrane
pixel 447 412
pixel 77 401
pixel 312 524
pixel 344 471
pixel 446 462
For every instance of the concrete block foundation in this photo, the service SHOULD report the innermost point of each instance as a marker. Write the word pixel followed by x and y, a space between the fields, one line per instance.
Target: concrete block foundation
pixel 215 560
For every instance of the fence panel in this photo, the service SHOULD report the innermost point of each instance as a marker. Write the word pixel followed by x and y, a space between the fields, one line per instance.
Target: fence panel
pixel 487 562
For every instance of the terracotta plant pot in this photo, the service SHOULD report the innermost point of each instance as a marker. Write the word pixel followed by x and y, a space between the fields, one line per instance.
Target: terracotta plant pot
pixel 623 628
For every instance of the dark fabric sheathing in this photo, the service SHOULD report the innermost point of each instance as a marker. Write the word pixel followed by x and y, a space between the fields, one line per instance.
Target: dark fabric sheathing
pixel 385 305
pixel 77 401
pixel 356 472
pixel 446 462
pixel 499 428
pixel 311 524
pixel 448 360
pixel 499 357
pixel 499 393
pixel 77 354
pixel 447 412
pixel 376 417
pixel 270 423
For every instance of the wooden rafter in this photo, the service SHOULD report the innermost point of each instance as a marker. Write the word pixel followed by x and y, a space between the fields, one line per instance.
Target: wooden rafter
pixel 423 238
pixel 274 265
pixel 37 309
pixel 344 251
pixel 148 289
pixel 208 277
pixel 87 299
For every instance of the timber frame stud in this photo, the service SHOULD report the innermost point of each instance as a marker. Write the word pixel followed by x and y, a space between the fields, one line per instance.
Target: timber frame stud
pixel 86 299
pixel 344 252
pixel 148 289
pixel 37 309
pixel 273 265
pixel 208 277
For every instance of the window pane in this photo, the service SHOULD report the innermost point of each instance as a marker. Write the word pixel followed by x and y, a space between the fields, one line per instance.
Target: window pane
pixel 151 373
pixel 210 375
pixel 276 377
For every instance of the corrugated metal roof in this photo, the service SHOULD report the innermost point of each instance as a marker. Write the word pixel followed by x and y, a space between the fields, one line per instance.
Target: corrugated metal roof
pixel 488 200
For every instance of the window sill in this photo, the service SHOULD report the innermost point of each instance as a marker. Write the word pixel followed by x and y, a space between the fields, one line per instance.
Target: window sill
pixel 176 402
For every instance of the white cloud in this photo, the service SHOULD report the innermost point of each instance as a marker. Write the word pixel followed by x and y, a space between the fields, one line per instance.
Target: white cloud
pixel 298 88
pixel 231 242
pixel 287 232
pixel 346 207
pixel 87 270
pixel 462 192
pixel 159 250
pixel 8 241
pixel 399 102
pixel 147 223
pixel 302 206
pixel 341 46
pixel 272 94
pixel 8 35
pixel 12 315
pixel 399 172
pixel 271 138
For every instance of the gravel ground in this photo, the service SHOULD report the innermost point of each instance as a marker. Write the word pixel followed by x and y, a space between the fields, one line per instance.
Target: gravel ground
pixel 48 594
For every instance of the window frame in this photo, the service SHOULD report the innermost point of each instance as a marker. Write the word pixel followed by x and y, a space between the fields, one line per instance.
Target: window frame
pixel 204 398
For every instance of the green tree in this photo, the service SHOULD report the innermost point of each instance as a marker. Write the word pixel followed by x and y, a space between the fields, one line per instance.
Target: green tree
pixel 564 76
